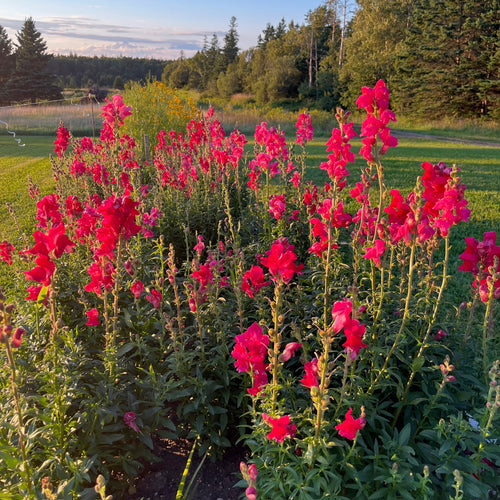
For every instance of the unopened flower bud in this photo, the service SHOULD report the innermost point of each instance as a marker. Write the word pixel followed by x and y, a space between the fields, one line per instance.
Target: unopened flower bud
pixel 252 472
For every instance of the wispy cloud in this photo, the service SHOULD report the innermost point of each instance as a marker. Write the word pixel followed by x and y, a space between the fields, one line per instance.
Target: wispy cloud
pixel 88 36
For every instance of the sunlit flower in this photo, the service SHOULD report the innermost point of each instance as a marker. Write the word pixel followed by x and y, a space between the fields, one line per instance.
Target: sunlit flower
pixel 281 427
pixel 350 426
pixel 93 317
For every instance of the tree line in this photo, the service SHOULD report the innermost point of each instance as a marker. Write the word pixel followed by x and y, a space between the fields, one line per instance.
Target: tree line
pixel 439 57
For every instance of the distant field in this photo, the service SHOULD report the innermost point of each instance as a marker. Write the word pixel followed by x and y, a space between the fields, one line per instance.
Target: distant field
pixel 44 119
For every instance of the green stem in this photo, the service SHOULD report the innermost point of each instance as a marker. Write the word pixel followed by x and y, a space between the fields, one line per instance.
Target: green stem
pixel 423 345
pixel 276 339
pixel 20 419
pixel 403 320
pixel 487 315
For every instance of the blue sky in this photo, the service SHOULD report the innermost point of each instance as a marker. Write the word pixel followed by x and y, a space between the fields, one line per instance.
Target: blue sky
pixel 148 28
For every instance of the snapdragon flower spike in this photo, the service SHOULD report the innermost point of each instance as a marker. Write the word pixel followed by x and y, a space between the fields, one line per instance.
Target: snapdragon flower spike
pixel 250 352
pixel 6 251
pixel 482 259
pixel 311 377
pixel 281 427
pixel 305 129
pixel 350 426
pixel 281 261
pixel 93 317
pixel 118 221
pixel 62 141
pixel 47 248
pixel 277 206
pixel 375 101
pixel 253 281
pixel 115 112
pixel 375 252
pixel 353 329
pixel 341 153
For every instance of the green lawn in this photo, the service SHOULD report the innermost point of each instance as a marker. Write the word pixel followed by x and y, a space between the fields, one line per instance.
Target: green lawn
pixel 17 165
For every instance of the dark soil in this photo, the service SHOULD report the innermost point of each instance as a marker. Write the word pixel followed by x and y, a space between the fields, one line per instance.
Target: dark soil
pixel 215 480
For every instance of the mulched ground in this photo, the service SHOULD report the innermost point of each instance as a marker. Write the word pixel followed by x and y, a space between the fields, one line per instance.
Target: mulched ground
pixel 215 481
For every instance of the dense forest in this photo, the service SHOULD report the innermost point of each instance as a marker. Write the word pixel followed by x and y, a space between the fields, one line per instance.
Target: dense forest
pixel 437 56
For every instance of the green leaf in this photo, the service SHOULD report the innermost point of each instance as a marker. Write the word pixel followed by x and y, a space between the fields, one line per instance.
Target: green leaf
pixel 42 295
pixel 418 363
pixel 125 348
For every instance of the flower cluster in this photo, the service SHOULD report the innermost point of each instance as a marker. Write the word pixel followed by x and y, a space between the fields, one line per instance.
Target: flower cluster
pixel 375 101
pixel 482 259
pixel 6 251
pixel 353 329
pixel 305 129
pixel 62 141
pixel 253 281
pixel 250 352
pixel 280 427
pixel 280 260
pixel 340 149
pixel 350 426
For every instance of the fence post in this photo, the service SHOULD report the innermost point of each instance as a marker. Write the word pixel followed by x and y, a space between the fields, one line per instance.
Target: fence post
pixel 146 146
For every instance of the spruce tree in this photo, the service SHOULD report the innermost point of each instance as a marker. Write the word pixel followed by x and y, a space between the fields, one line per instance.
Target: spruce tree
pixel 231 49
pixel 6 56
pixel 31 80
pixel 447 63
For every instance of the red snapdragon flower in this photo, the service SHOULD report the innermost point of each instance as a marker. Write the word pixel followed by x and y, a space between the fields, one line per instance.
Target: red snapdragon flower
pixel 47 211
pixel 155 298
pixel 115 112
pixel 479 259
pixel 281 427
pixel 353 329
pixel 93 317
pixel 289 351
pixel 253 281
pixel 17 337
pixel 376 103
pixel 305 129
pixel 250 352
pixel 62 141
pixel 375 252
pixel 277 206
pixel 311 377
pixel 129 419
pixel 6 250
pixel 281 261
pixel 137 288
pixel 354 332
pixel 341 313
pixel 350 426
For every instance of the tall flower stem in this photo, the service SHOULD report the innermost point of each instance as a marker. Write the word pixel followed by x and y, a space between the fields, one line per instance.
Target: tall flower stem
pixel 275 337
pixel 19 414
pixel 486 322
pixel 406 314
pixel 416 365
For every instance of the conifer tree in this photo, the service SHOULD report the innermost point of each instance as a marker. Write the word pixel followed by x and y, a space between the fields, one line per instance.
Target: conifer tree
pixel 231 49
pixel 6 56
pixel 31 80
pixel 447 64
